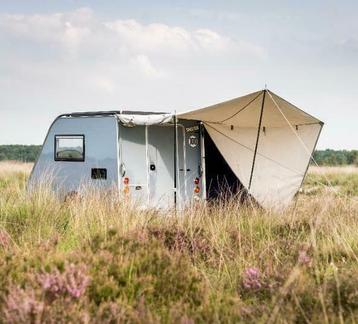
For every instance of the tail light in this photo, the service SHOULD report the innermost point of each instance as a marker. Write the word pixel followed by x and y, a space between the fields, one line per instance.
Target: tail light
pixel 126 180
pixel 197 188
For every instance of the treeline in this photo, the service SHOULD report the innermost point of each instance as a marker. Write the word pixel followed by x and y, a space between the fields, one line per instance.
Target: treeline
pixel 25 153
pixel 29 153
pixel 335 158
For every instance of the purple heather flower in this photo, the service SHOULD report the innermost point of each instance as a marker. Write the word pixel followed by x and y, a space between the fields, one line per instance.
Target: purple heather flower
pixel 73 281
pixel 76 281
pixel 52 283
pixel 4 239
pixel 21 306
pixel 304 258
pixel 252 278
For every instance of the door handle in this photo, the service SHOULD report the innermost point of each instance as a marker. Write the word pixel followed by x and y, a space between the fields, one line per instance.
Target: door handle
pixel 152 167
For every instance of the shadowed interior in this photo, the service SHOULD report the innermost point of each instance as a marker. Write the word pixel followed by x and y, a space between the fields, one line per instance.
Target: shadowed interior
pixel 221 182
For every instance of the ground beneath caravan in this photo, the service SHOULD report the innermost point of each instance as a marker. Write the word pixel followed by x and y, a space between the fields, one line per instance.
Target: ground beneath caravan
pixel 98 260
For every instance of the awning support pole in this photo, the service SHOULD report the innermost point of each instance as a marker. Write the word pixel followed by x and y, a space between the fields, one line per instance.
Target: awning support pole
pixel 257 138
pixel 175 160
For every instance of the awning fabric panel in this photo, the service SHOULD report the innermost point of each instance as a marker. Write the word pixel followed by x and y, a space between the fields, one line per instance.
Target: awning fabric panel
pixel 285 140
pixel 281 164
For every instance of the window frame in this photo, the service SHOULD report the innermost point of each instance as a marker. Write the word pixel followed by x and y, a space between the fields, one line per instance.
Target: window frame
pixel 57 159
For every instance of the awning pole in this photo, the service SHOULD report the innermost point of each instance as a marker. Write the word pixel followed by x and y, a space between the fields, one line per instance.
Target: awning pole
pixel 257 138
pixel 175 160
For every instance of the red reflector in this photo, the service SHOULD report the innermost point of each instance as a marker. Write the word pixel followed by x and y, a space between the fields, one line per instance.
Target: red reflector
pixel 197 189
pixel 126 180
pixel 196 181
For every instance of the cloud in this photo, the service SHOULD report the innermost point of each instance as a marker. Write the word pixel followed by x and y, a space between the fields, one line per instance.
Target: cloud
pixel 151 37
pixel 81 51
pixel 143 63
pixel 81 30
pixel 160 37
pixel 104 84
pixel 65 29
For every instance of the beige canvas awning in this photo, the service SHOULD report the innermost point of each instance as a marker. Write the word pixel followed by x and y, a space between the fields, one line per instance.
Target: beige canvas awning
pixel 266 140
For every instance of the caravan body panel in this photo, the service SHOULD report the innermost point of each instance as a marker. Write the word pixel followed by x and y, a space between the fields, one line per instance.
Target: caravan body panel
pixel 100 147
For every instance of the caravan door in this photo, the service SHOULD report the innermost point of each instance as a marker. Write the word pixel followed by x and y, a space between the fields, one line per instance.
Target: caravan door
pixel 133 163
pixel 147 165
pixel 191 184
pixel 160 141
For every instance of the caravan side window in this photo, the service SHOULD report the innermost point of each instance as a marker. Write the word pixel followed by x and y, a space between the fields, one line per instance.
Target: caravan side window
pixel 70 148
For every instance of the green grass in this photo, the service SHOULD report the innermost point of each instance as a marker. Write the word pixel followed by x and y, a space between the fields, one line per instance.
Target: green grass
pixel 343 180
pixel 99 259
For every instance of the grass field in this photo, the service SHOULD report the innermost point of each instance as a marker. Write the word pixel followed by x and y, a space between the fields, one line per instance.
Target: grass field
pixel 98 259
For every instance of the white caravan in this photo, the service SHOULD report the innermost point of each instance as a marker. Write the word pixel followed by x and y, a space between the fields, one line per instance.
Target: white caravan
pixel 132 151
pixel 259 144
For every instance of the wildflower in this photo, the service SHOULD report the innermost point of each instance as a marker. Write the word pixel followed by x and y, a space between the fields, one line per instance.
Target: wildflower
pixel 52 283
pixel 252 278
pixel 4 239
pixel 73 282
pixel 76 280
pixel 304 258
pixel 21 306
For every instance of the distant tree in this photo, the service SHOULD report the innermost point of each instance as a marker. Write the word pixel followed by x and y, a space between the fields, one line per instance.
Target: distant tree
pixel 29 153
pixel 335 157
pixel 26 153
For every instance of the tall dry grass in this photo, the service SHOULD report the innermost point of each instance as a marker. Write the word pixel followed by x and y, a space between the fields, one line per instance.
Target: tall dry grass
pixel 350 169
pixel 99 259
pixel 11 167
pixel 343 181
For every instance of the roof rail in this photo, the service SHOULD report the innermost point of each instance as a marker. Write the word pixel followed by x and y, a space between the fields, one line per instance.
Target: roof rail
pixel 111 112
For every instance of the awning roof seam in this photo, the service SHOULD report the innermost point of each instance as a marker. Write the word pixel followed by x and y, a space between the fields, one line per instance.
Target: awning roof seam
pixel 247 105
pixel 291 127
pixel 292 105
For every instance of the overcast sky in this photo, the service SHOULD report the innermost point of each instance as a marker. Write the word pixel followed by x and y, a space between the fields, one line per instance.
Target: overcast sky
pixel 72 55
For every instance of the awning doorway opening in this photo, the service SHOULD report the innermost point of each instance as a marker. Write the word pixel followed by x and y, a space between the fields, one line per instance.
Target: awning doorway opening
pixel 221 181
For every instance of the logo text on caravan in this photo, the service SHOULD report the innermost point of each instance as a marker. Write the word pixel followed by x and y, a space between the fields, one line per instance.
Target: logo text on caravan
pixel 192 129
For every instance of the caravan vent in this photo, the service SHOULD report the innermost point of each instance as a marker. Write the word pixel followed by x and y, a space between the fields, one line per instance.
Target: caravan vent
pixel 99 173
